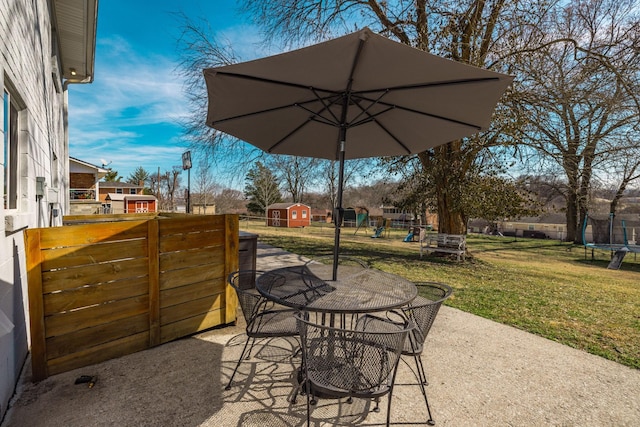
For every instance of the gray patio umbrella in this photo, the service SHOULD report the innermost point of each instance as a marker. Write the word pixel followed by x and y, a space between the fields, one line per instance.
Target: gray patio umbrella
pixel 360 95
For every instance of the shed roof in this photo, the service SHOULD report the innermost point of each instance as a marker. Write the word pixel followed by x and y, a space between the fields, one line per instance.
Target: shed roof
pixel 286 205
pixel 122 197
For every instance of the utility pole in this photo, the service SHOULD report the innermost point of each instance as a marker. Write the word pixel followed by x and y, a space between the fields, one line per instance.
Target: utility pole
pixel 186 164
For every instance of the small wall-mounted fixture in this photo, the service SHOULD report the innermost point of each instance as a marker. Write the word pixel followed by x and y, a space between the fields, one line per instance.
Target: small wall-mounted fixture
pixel 41 185
pixel 72 71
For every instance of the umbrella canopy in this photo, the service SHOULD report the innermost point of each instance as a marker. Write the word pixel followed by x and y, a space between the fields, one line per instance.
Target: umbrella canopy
pixel 356 96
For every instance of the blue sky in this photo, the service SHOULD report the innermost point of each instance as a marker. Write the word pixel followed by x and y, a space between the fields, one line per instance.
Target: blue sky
pixel 127 116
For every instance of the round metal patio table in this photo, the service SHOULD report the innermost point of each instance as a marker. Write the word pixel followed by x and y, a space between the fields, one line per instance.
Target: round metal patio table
pixel 356 290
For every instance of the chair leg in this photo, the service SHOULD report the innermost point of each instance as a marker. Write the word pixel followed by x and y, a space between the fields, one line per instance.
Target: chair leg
pixel 422 381
pixel 421 371
pixel 308 387
pixel 242 355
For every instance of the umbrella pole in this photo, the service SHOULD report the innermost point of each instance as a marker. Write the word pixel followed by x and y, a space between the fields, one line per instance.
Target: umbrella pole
pixel 339 210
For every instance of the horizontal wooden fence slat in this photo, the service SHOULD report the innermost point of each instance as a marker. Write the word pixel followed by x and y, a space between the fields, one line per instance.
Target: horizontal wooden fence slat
pixel 85 234
pixel 191 258
pixel 69 278
pixel 82 339
pixel 65 323
pixel 100 353
pixel 106 289
pixel 201 322
pixel 179 242
pixel 176 278
pixel 90 295
pixel 175 313
pixel 191 292
pixel 194 223
pixel 93 254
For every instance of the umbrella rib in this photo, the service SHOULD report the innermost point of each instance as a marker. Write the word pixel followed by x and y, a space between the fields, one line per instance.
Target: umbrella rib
pixel 270 110
pixel 270 149
pixel 391 106
pixel 430 84
pixel 265 80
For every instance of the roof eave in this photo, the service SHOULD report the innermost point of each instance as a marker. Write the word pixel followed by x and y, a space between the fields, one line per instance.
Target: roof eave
pixel 75 23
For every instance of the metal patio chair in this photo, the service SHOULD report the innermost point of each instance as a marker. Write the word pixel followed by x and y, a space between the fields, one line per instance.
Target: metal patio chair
pixel 422 312
pixel 352 363
pixel 264 318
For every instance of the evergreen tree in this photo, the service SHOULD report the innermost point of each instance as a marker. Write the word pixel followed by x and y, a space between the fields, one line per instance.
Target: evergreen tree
pixel 261 188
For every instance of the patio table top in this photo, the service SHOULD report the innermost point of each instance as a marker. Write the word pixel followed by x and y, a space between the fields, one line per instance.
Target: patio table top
pixel 356 290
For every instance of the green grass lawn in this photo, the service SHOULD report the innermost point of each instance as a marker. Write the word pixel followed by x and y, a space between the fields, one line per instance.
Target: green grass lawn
pixel 545 287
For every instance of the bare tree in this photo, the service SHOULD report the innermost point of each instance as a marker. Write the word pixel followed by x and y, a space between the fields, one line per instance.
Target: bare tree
pixel 296 174
pixel 494 34
pixel 229 200
pixel 477 32
pixel 575 103
pixel 330 177
pixel 204 185
pixel 200 48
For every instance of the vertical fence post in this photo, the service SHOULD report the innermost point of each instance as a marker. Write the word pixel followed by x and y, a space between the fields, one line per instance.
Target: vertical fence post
pixel 36 305
pixel 231 231
pixel 153 240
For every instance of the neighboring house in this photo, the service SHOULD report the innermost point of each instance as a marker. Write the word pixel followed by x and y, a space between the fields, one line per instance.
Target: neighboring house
pixel 288 215
pixel 84 187
pixel 45 45
pixel 119 203
pixel 117 187
pixel 320 215
pixel 547 226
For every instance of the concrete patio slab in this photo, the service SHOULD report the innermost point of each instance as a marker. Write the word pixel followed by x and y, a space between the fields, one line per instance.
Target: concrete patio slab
pixel 480 372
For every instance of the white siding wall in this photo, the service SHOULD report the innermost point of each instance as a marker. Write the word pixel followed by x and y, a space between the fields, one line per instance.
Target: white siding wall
pixel 25 68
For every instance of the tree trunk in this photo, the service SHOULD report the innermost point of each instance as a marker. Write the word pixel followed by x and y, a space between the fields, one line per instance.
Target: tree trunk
pixel 447 173
pixel 450 221
pixel 572 218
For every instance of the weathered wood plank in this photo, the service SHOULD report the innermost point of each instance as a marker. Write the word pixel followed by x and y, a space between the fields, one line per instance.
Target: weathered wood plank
pixel 154 284
pixel 100 353
pixel 191 325
pixel 190 258
pixel 92 219
pixel 176 278
pixel 191 292
pixel 85 234
pixel 180 242
pixel 70 278
pixel 97 294
pixel 65 323
pixel 83 339
pixel 231 250
pixel 36 305
pixel 72 256
pixel 190 309
pixel 187 224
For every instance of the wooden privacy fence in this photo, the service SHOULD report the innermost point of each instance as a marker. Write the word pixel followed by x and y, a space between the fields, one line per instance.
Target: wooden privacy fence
pixel 103 290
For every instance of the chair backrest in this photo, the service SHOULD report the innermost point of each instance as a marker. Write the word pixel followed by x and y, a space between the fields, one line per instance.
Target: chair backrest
pixel 244 283
pixel 422 312
pixel 357 362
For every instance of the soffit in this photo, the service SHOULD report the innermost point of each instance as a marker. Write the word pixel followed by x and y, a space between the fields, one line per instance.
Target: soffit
pixel 75 22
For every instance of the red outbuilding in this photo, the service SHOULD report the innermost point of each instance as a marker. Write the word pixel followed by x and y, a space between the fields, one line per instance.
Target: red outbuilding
pixel 288 215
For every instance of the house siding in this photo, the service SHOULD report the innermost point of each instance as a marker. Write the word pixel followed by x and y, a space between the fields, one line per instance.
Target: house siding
pixel 26 72
pixel 82 180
